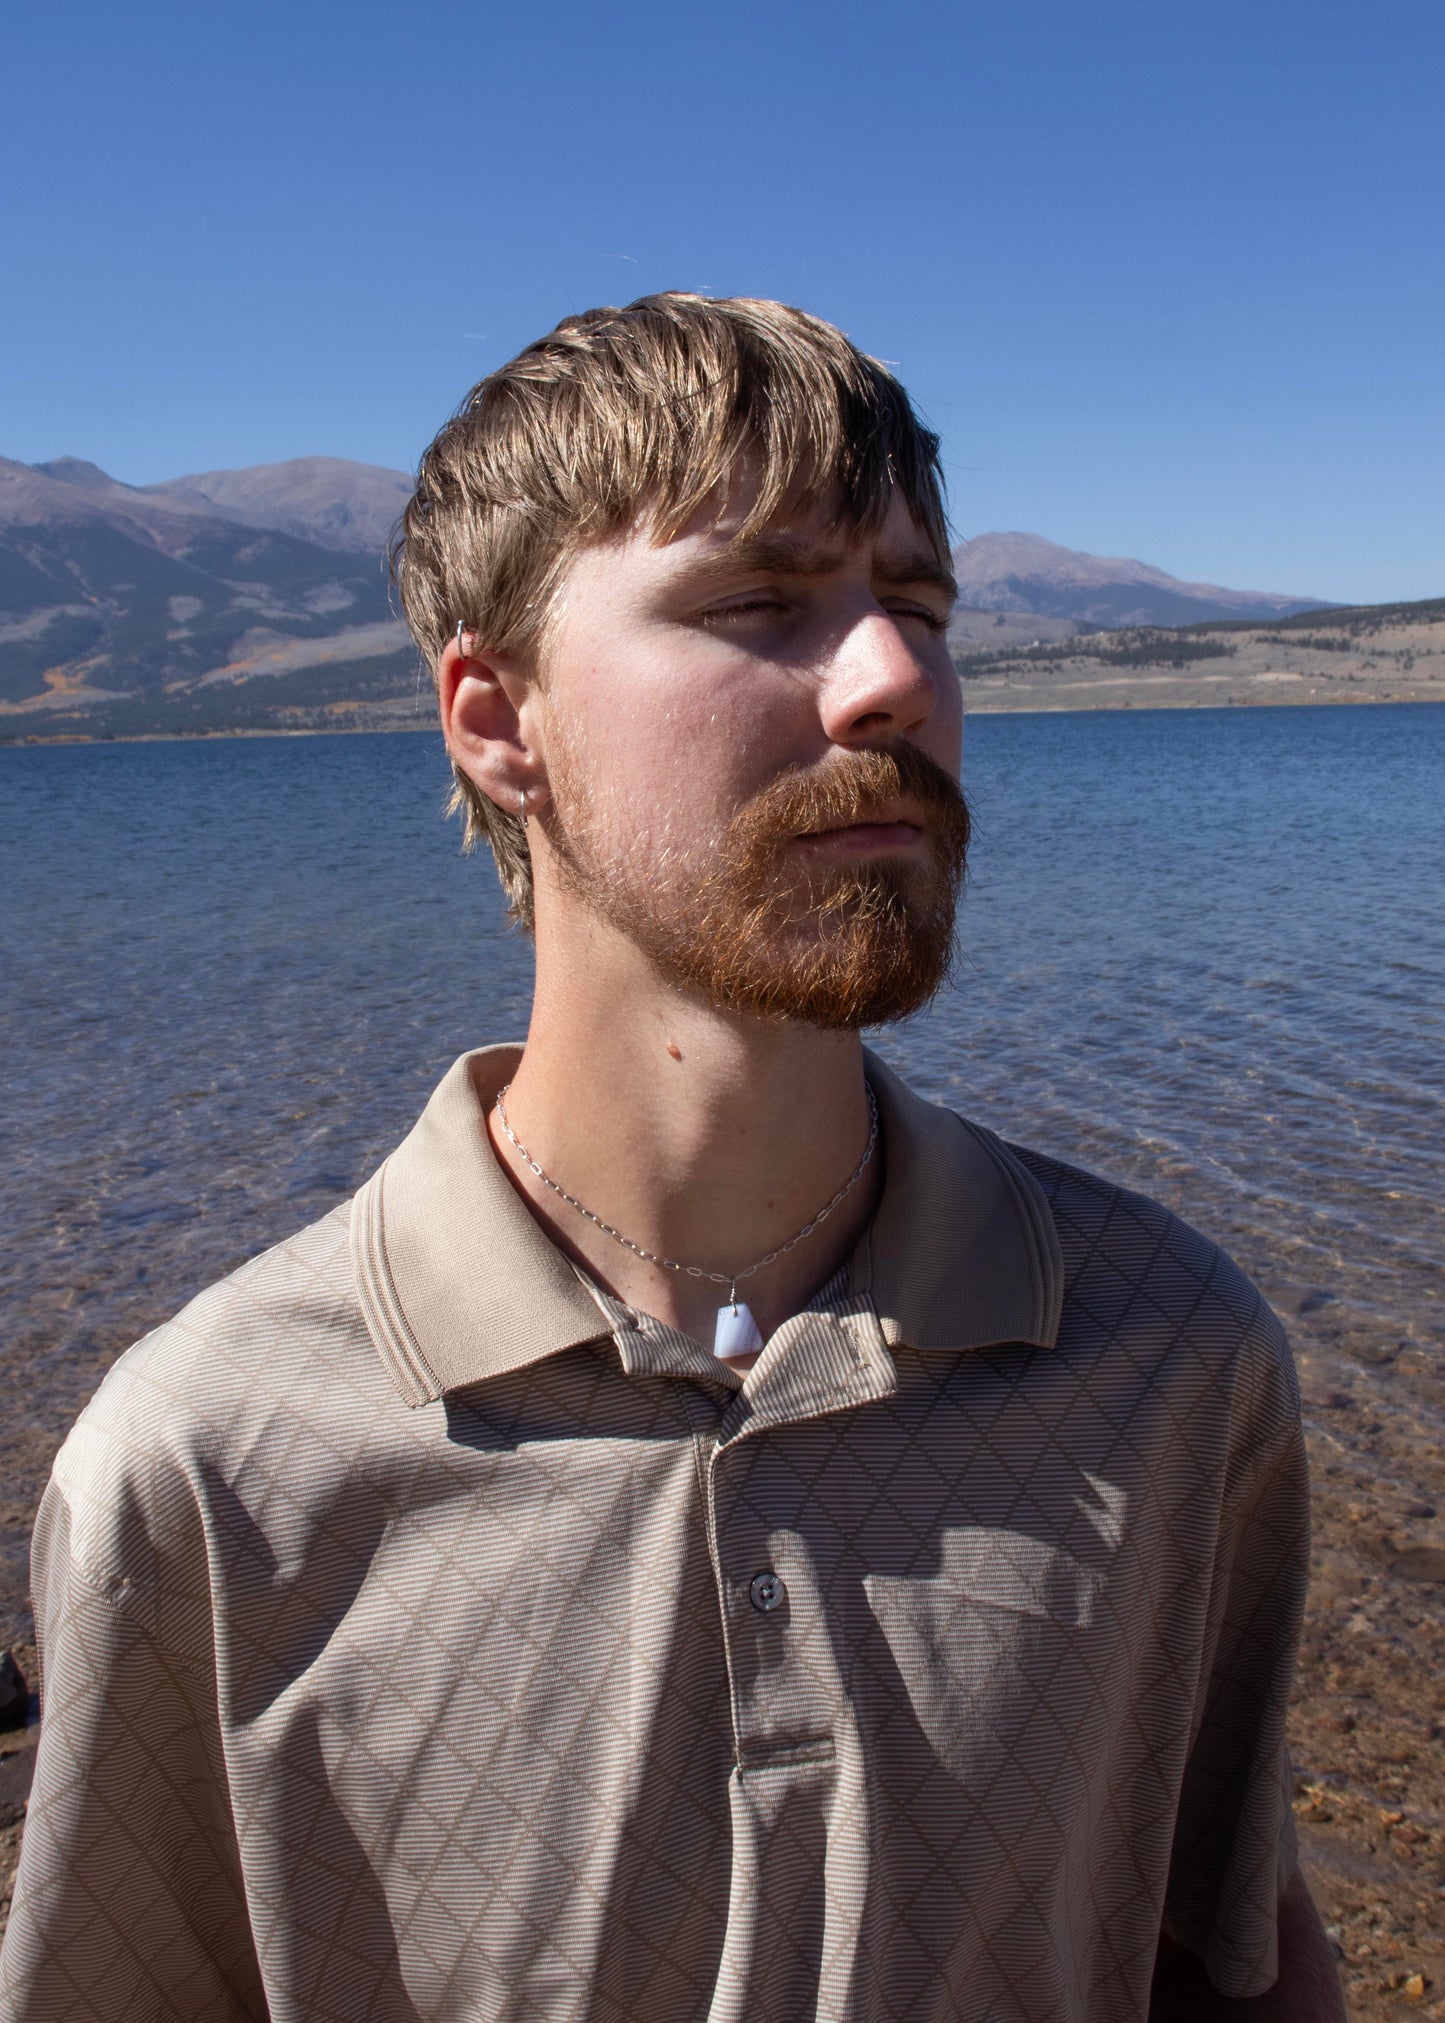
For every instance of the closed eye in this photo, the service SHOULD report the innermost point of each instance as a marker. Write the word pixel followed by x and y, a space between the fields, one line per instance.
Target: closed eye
pixel 931 619
pixel 752 604
pixel 925 617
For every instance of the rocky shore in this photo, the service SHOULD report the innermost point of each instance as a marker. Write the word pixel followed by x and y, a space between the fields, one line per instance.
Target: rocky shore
pixel 1369 1716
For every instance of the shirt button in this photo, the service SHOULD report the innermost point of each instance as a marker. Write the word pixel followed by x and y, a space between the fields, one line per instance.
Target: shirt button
pixel 766 1592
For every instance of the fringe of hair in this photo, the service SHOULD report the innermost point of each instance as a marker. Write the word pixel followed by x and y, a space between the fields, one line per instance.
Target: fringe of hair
pixel 653 408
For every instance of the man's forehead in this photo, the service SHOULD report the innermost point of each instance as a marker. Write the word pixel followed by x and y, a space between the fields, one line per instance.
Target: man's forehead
pixel 809 543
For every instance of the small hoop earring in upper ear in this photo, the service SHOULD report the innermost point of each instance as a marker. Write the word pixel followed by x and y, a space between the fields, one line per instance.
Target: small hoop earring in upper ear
pixel 461 628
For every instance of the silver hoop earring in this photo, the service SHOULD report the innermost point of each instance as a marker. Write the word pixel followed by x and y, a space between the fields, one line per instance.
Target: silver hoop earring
pixel 461 628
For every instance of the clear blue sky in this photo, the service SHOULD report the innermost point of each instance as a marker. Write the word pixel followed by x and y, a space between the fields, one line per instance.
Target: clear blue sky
pixel 1169 278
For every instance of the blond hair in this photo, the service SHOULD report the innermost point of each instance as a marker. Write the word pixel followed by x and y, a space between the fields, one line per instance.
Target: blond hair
pixel 654 408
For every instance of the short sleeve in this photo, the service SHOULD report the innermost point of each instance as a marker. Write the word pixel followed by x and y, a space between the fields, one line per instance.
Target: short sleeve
pixel 1234 1846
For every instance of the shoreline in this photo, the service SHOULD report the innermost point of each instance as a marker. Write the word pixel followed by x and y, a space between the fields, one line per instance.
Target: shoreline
pixel 1030 703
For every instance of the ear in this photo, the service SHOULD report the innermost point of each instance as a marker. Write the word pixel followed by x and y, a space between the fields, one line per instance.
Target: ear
pixel 487 715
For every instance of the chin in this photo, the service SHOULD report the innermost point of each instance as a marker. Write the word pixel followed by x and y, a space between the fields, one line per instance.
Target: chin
pixel 870 974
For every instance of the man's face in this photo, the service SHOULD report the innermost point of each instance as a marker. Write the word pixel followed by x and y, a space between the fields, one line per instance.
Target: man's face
pixel 753 750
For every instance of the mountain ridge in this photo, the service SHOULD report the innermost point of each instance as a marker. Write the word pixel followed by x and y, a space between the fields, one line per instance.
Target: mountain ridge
pixel 329 500
pixel 232 597
pixel 111 592
pixel 1024 573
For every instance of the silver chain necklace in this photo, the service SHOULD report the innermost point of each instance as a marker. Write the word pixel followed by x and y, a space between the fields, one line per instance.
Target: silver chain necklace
pixel 737 1334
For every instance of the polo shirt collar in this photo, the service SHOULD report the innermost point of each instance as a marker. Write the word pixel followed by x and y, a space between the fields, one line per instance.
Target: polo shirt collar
pixel 963 1252
pixel 458 1282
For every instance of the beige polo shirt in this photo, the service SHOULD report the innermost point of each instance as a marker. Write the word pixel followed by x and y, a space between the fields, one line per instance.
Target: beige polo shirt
pixel 426 1637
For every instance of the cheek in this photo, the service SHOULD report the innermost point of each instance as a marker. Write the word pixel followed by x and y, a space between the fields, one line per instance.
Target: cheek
pixel 682 736
pixel 647 778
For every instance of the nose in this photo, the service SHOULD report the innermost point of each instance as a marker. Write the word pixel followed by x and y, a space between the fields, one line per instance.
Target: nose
pixel 875 685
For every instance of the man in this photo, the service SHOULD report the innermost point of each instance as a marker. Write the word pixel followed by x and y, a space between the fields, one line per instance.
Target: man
pixel 705 1533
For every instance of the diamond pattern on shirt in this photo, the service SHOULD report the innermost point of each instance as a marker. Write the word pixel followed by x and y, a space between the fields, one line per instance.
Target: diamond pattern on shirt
pixel 356 1711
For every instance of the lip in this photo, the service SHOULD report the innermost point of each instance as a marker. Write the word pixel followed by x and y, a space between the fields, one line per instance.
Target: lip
pixel 885 832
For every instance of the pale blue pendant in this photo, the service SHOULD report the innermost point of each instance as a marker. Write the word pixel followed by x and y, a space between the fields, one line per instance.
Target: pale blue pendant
pixel 736 1333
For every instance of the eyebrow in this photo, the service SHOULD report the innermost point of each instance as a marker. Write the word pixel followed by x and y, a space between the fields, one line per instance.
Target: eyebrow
pixel 784 554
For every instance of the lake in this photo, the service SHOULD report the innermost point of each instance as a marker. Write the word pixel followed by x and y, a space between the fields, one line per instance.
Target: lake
pixel 1202 952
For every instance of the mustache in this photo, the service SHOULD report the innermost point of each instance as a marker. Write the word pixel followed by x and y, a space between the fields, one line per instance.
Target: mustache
pixel 857 786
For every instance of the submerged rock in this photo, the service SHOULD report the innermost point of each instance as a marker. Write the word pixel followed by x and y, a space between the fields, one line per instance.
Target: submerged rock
pixel 1422 1563
pixel 14 1693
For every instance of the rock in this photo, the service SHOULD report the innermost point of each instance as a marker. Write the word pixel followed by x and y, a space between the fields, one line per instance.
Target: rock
pixel 1413 1987
pixel 14 1693
pixel 1318 1296
pixel 1422 1564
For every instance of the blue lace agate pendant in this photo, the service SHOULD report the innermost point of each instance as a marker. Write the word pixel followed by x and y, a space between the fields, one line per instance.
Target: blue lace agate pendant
pixel 736 1333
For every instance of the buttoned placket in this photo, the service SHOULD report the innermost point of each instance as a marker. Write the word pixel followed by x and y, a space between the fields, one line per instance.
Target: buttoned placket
pixel 787 1693
pixel 785 1689
pixel 799 1777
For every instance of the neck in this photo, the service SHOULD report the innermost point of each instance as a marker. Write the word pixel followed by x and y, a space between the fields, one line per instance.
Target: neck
pixel 707 1139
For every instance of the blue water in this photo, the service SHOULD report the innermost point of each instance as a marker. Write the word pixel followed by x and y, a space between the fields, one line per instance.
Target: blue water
pixel 1203 951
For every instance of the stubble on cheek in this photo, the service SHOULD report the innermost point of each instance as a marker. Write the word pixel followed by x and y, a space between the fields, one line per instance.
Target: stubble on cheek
pixel 610 839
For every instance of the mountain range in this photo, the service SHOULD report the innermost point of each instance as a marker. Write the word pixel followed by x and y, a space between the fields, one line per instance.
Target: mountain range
pixel 1026 574
pixel 249 598
pixel 126 599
